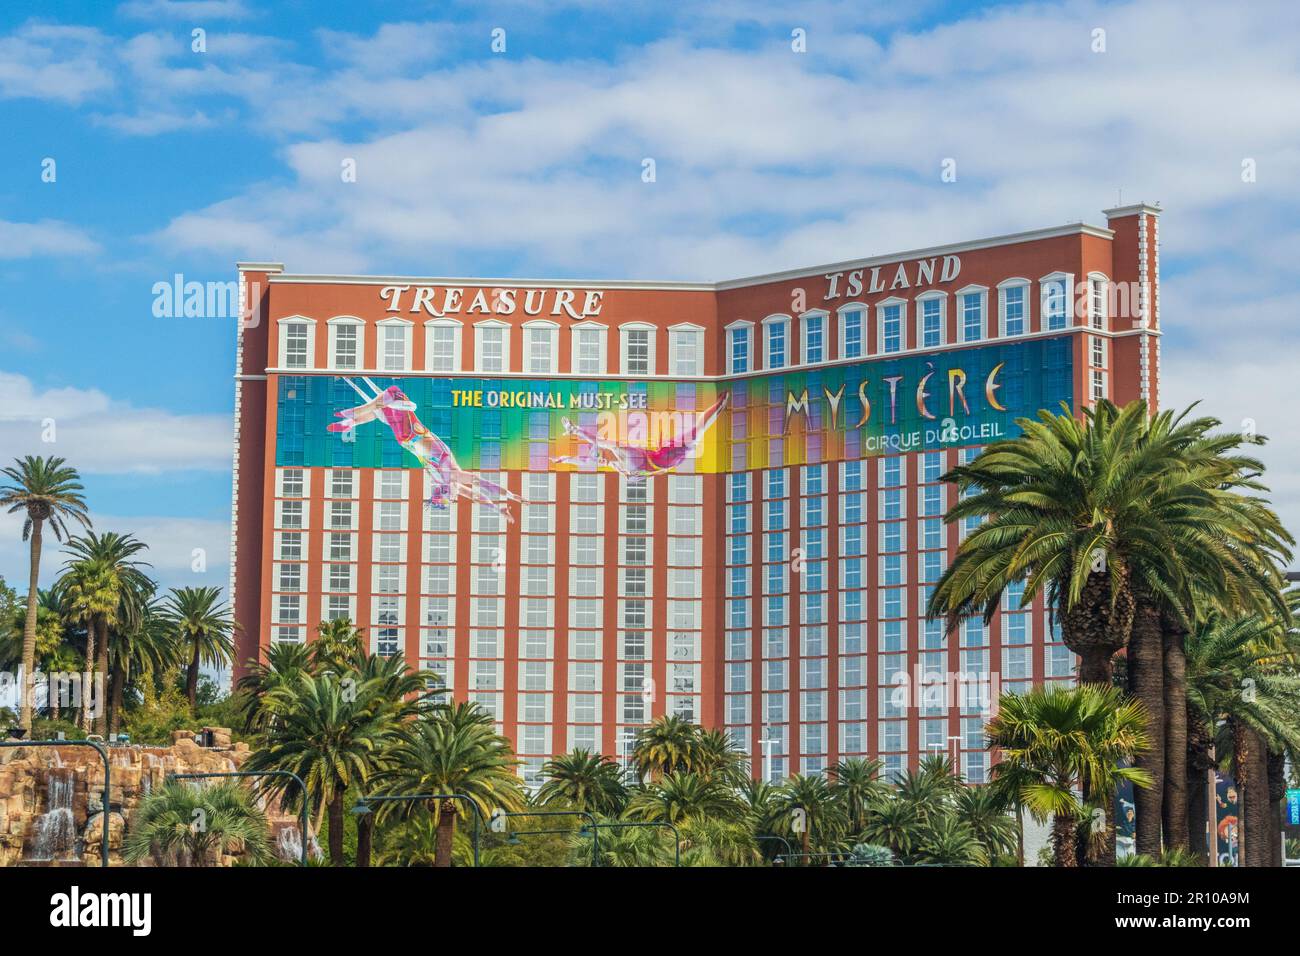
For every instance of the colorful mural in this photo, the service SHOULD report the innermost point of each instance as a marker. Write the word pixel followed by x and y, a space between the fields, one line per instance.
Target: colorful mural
pixel 454 427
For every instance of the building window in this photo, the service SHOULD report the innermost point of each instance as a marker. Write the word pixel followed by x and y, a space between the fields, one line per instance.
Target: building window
pixel 442 347
pixel 493 350
pixel 1015 307
pixel 297 345
pixel 540 341
pixel 890 315
pixel 777 331
pixel 1098 350
pixel 686 352
pixel 814 338
pixel 738 349
pixel 1055 304
pixel 346 339
pixel 1098 386
pixel 638 350
pixel 972 314
pixel 588 349
pixel 853 323
pixel 395 340
pixel 1097 292
pixel 930 322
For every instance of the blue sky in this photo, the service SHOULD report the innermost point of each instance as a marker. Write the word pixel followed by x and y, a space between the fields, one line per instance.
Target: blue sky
pixel 528 162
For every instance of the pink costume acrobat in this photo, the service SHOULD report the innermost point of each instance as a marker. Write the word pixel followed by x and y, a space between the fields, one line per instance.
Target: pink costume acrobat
pixel 447 480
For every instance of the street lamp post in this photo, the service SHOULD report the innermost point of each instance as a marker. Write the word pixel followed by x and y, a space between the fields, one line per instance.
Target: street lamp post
pixel 103 755
pixel 363 807
pixel 303 832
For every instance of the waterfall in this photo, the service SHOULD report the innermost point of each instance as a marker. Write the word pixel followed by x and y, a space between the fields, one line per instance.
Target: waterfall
pixel 288 845
pixel 54 836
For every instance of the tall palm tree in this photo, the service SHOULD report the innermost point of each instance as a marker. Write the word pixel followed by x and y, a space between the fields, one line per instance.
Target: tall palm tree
pixel 984 811
pixel 584 781
pixel 205 629
pixel 810 796
pixel 856 785
pixel 144 649
pixel 189 824
pixel 1060 740
pixel 333 733
pixel 717 756
pixel 453 749
pixel 46 490
pixel 1242 676
pixel 121 588
pixel 668 745
pixel 338 643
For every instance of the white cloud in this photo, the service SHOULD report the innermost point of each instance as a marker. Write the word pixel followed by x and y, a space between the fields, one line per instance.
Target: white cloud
pixel 47 237
pixel 98 435
pixel 48 62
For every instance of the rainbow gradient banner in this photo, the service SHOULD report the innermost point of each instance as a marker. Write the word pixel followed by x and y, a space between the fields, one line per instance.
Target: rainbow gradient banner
pixel 457 426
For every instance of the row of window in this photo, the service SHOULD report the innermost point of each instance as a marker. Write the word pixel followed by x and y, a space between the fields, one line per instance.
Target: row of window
pixel 540 343
pixel 745 353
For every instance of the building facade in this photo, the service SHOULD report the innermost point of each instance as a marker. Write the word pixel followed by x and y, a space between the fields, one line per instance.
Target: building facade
pixel 587 504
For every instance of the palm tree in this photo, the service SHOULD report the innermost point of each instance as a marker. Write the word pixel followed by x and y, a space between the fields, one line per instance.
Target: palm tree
pixel 856 786
pixel 668 745
pixel 1241 675
pixel 108 590
pixel 584 781
pixel 46 490
pixel 453 748
pixel 811 798
pixel 717 756
pixel 205 627
pixel 984 811
pixel 338 642
pixel 144 647
pixel 677 797
pixel 190 824
pixel 893 823
pixel 333 733
pixel 285 663
pixel 1059 740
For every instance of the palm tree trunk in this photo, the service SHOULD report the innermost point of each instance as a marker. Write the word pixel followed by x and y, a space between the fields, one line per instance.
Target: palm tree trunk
pixel 365 834
pixel 1146 684
pixel 1175 795
pixel 192 676
pixel 29 628
pixel 116 699
pixel 1064 835
pixel 446 834
pixel 1251 766
pixel 336 829
pixel 88 697
pixel 1276 768
pixel 101 721
pixel 1095 665
pixel 1200 836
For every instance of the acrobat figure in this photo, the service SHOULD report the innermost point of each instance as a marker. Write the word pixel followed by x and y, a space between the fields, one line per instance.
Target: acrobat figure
pixel 638 463
pixel 447 480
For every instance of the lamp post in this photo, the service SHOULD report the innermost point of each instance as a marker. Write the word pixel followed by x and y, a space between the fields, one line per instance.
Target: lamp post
pixel 363 807
pixel 627 824
pixel 303 832
pixel 103 755
pixel 591 822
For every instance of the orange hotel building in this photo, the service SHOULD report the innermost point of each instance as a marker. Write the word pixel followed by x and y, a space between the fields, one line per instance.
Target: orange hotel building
pixel 762 568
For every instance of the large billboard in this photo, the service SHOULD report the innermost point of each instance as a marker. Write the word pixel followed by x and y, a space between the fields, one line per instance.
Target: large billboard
pixel 456 427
